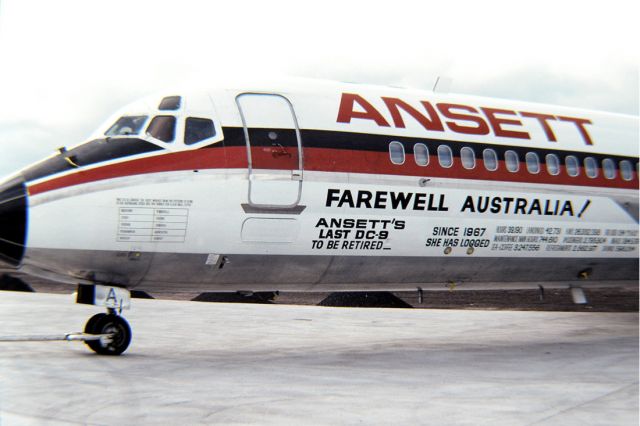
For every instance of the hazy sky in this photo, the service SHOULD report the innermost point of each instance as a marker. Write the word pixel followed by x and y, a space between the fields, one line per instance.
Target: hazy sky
pixel 66 65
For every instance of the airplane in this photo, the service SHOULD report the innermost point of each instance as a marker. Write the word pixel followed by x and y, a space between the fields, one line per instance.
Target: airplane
pixel 303 185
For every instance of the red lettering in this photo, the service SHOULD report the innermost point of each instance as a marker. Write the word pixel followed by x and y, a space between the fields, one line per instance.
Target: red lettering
pixel 580 122
pixel 542 119
pixel 432 122
pixel 346 112
pixel 481 129
pixel 463 118
pixel 497 122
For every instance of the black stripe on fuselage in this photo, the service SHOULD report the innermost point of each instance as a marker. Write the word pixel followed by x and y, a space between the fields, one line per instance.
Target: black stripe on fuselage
pixel 234 136
pixel 93 152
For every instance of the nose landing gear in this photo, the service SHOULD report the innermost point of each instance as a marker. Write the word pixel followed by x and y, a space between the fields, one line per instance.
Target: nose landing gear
pixel 115 327
pixel 114 331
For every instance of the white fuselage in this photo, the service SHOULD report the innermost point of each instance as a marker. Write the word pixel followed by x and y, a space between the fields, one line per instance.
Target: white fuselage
pixel 333 186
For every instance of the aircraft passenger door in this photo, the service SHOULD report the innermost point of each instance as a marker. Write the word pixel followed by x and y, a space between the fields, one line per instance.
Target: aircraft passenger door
pixel 274 150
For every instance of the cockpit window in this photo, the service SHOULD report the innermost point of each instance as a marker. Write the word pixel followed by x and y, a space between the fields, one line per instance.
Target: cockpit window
pixel 163 127
pixel 127 125
pixel 170 103
pixel 198 129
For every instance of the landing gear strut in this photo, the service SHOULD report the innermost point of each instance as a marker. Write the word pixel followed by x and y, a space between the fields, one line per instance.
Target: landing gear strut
pixel 114 331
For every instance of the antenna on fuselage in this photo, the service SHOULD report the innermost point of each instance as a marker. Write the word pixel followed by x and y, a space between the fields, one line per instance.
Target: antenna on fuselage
pixel 443 84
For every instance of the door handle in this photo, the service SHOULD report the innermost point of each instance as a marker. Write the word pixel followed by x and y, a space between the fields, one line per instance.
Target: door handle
pixel 279 151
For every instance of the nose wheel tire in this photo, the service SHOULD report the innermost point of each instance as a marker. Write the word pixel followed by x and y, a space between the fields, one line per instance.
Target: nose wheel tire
pixel 108 324
pixel 91 324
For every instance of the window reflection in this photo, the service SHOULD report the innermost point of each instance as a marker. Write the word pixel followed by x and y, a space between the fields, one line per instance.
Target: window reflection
pixel 468 158
pixel 396 152
pixel 609 168
pixel 572 165
pixel 626 170
pixel 421 154
pixel 170 103
pixel 445 156
pixel 533 162
pixel 591 167
pixel 198 129
pixel 127 125
pixel 163 127
pixel 512 160
pixel 490 159
pixel 553 164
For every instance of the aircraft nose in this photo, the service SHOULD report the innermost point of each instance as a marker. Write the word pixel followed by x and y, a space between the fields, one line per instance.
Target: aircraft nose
pixel 13 220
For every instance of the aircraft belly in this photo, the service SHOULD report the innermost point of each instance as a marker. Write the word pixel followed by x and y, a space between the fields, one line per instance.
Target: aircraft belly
pixel 190 272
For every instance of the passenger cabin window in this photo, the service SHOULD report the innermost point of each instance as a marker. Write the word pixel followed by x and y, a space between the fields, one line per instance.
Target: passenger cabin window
pixel 553 164
pixel 591 167
pixel 198 129
pixel 572 165
pixel 490 159
pixel 396 152
pixel 170 103
pixel 127 125
pixel 468 158
pixel 512 160
pixel 626 170
pixel 163 127
pixel 609 168
pixel 421 154
pixel 533 162
pixel 445 156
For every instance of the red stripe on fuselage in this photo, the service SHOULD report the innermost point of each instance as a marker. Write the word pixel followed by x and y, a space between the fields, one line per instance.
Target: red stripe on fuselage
pixel 322 160
pixel 171 162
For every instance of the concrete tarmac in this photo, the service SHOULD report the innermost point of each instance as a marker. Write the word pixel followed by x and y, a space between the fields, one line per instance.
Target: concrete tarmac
pixel 200 363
